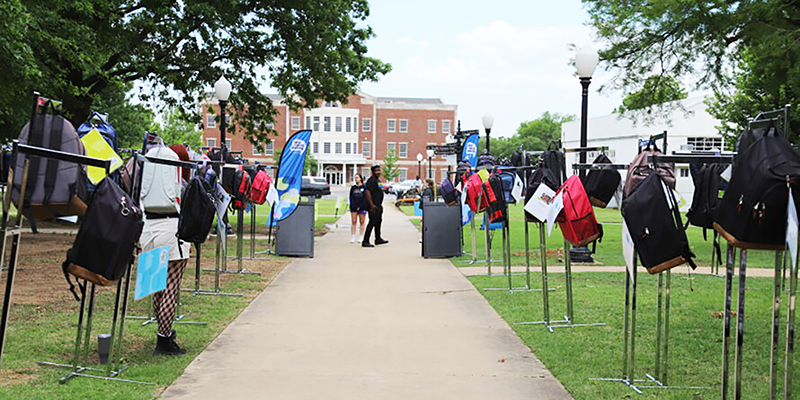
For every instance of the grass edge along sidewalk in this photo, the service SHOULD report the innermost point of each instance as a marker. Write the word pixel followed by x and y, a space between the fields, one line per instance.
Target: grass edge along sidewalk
pixel 574 355
pixel 46 332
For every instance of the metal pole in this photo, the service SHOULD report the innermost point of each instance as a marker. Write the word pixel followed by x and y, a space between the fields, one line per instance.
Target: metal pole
pixel 543 255
pixel 568 277
pixel 89 317
pixel 665 359
pixel 474 245
pixel 222 127
pixel 632 362
pixel 507 253
pixel 239 237
pixel 252 231
pixel 626 326
pixel 430 169
pixel 197 267
pixel 726 323
pixel 584 123
pixel 659 308
pixel 737 372
pixel 527 258
pixel 220 255
pixel 789 352
pixel 776 317
pixel 488 242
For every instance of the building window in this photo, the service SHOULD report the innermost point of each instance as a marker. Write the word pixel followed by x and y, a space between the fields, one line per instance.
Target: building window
pixel 366 124
pixel 316 124
pixel 308 123
pixel 211 121
pixel 391 146
pixel 210 142
pixel 446 125
pixel 347 148
pixel 348 125
pixel 327 127
pixel 684 172
pixel 228 144
pixel 403 174
pixel 444 174
pixel 338 147
pixel 403 125
pixel 431 126
pixel 326 147
pixel 366 149
pixel 365 173
pixel 705 143
pixel 269 148
pixel 295 123
pixel 256 150
pixel 338 124
pixel 267 126
pixel 403 153
pixel 316 147
pixel 330 104
pixel 391 125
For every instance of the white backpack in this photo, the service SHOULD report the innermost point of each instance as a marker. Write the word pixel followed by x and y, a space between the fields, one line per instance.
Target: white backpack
pixel 161 184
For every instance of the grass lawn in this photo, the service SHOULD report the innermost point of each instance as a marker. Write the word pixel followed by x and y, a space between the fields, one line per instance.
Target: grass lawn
pixel 574 355
pixel 325 211
pixel 609 252
pixel 44 316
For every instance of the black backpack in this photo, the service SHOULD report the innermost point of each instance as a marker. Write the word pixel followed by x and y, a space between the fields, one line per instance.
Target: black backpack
pixel 493 190
pixel 654 222
pixel 554 161
pixel 750 135
pixel 541 175
pixel 486 160
pixel 197 211
pixel 601 184
pixel 240 189
pixel 752 214
pixel 708 184
pixel 103 248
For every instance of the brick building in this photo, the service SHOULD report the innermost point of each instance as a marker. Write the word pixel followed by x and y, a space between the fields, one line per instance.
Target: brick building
pixel 348 138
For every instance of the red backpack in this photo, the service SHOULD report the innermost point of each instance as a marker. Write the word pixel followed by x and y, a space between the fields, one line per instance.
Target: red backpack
pixel 241 188
pixel 473 186
pixel 493 193
pixel 577 221
pixel 259 188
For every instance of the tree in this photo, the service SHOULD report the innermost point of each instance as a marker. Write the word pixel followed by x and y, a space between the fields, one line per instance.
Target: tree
pixel 656 96
pixel 307 50
pixel 130 120
pixel 746 51
pixel 390 170
pixel 533 135
pixel 176 129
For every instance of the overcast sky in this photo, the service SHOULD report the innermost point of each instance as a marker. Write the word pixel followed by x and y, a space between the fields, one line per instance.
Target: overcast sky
pixel 507 57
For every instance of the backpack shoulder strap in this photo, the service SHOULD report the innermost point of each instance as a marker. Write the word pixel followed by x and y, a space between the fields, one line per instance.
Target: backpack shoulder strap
pixel 51 169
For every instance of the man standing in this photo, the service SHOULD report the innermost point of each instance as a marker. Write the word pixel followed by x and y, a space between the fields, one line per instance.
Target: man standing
pixel 374 200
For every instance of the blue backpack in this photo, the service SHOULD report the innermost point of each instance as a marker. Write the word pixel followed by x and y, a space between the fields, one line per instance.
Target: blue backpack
pixel 507 178
pixel 97 121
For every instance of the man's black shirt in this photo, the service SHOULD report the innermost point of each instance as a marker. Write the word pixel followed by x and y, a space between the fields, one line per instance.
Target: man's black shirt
pixel 375 190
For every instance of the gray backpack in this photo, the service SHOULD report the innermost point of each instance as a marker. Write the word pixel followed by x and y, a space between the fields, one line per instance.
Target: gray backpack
pixel 640 169
pixel 161 184
pixel 54 188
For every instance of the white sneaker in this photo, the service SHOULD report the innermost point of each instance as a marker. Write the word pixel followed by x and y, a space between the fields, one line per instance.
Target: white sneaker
pixel 352 238
pixel 360 238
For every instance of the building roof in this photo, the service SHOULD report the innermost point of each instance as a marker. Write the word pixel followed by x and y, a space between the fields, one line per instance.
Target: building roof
pixel 410 100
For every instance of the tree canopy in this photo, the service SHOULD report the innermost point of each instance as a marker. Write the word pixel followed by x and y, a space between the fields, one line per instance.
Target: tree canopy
pixel 745 51
pixel 533 135
pixel 174 50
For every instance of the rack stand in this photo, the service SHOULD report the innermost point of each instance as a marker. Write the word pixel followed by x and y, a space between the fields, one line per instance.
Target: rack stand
pixel 78 366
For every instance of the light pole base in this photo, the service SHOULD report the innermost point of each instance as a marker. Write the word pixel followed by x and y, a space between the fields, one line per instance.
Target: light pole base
pixel 580 255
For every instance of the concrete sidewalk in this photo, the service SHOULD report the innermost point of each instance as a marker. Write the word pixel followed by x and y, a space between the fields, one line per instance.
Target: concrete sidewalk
pixel 379 323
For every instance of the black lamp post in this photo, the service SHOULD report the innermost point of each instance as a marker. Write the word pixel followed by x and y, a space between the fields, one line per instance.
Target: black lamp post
pixel 222 89
pixel 419 165
pixel 488 121
pixel 430 168
pixel 585 62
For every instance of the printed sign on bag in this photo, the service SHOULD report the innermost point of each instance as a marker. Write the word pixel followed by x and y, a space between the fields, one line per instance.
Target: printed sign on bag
pixel 151 272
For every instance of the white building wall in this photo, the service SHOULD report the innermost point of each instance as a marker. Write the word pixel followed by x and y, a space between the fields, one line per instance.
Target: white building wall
pixel 621 135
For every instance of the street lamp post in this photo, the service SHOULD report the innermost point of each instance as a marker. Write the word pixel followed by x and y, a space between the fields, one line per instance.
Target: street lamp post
pixel 419 165
pixel 488 121
pixel 585 62
pixel 222 89
pixel 430 169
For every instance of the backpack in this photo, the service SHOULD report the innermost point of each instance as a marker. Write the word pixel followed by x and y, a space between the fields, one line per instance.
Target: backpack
pixel 708 184
pixel 486 160
pixel 577 221
pixel 103 248
pixel 240 189
pixel 474 187
pixel 542 175
pixel 507 178
pixel 197 211
pixel 750 135
pixel 449 192
pixel 161 184
pixel 554 161
pixel 520 158
pixel 752 213
pixel 259 187
pixel 208 175
pixel 54 188
pixel 493 192
pixel 601 184
pixel 654 222
pixel 463 171
pixel 639 169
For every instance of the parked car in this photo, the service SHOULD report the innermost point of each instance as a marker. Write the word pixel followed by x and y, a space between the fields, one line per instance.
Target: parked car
pixel 401 188
pixel 314 186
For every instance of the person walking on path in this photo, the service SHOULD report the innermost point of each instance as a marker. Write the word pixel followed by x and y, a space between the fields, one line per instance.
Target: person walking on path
pixel 358 209
pixel 374 200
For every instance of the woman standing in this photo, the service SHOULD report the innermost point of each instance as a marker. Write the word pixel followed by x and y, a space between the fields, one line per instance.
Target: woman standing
pixel 358 209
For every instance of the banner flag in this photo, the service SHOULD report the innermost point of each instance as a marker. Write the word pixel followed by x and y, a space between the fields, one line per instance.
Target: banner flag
pixel 470 150
pixel 290 174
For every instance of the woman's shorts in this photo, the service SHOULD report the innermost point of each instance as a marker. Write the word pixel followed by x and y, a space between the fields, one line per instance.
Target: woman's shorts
pixel 161 232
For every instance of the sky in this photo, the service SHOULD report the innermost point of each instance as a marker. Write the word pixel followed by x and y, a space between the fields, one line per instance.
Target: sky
pixel 508 58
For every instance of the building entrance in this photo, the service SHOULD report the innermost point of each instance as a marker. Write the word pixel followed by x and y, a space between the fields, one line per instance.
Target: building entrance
pixel 333 175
